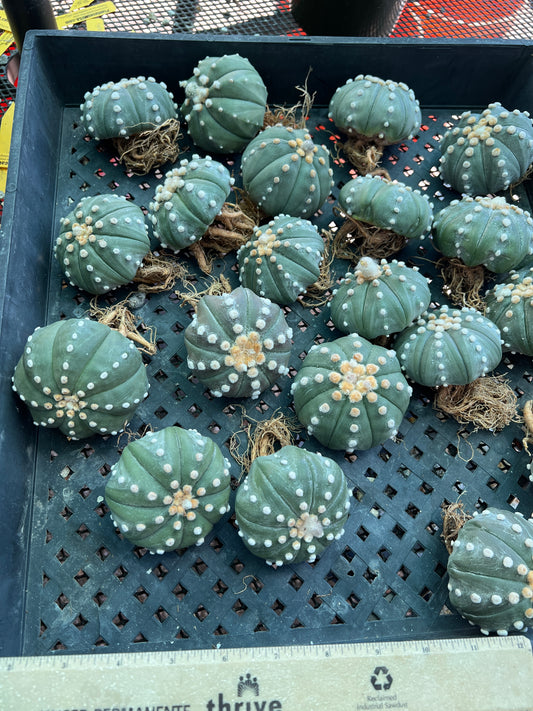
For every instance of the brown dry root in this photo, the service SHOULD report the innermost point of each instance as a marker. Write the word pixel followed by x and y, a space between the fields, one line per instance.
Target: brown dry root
pixel 289 116
pixel 489 403
pixel 264 437
pixel 149 149
pixel 527 414
pixel 231 228
pixel 454 518
pixel 120 318
pixel 192 296
pixel 462 284
pixel 355 239
pixel 363 153
pixel 159 273
pixel 317 294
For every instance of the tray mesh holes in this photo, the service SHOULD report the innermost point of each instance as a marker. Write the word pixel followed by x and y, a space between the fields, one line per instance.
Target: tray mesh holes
pixel 81 577
pixel 62 555
pixel 83 531
pixel 120 620
pixel 61 601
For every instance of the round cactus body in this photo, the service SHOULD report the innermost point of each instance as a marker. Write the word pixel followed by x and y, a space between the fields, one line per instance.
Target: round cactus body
pixel 238 344
pixel 292 505
pixel 80 376
pixel 383 110
pixel 490 577
pixel 387 204
pixel 281 259
pixel 127 107
pixel 188 200
pixel 378 299
pixel 449 347
pixel 484 153
pixel 102 243
pixel 350 393
pixel 484 230
pixel 285 172
pixel 168 489
pixel 225 103
pixel 510 306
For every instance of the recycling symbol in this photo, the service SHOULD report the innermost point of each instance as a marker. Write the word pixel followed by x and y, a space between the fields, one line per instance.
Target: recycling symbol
pixel 381 679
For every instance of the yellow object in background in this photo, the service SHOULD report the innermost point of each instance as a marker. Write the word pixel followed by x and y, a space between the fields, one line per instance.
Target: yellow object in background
pixel 5 140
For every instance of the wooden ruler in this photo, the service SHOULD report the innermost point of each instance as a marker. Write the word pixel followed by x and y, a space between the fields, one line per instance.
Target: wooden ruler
pixel 488 674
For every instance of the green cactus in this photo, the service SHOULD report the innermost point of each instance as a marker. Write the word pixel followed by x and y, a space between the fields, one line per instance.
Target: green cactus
pixel 449 347
pixel 225 103
pixel 124 108
pixel 102 243
pixel 510 306
pixel 168 489
pixel 378 299
pixel 238 344
pixel 187 202
pixel 382 110
pixel 486 152
pixel 350 394
pixel 281 259
pixel 82 377
pixel 387 204
pixel 484 230
pixel 285 172
pixel 489 569
pixel 292 505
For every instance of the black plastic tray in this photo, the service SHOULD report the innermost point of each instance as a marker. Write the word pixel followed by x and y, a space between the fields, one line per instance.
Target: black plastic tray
pixel 69 583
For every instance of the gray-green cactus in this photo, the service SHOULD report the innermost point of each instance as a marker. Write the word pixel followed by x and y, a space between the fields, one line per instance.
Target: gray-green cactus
pixel 484 230
pixel 238 344
pixel 350 394
pixel 379 299
pixel 168 489
pixel 225 103
pixel 387 204
pixel 510 306
pixel 188 201
pixel 124 108
pixel 281 259
pixel 489 569
pixel 449 347
pixel 82 377
pixel 292 505
pixel 385 111
pixel 486 152
pixel 101 243
pixel 285 172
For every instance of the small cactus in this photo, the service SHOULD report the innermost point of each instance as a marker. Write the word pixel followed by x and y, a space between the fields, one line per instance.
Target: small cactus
pixel 281 259
pixel 350 394
pixel 285 172
pixel 168 489
pixel 188 201
pixel 387 204
pixel 225 103
pixel 124 108
pixel 238 343
pixel 82 377
pixel 484 230
pixel 379 298
pixel 449 347
pixel 102 243
pixel 490 576
pixel 382 110
pixel 292 505
pixel 510 306
pixel 486 152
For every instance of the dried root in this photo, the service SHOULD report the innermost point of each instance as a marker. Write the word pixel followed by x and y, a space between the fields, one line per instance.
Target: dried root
pixel 489 403
pixel 355 239
pixel 527 413
pixel 192 296
pixel 454 518
pixel 462 284
pixel 363 153
pixel 159 273
pixel 119 317
pixel 149 149
pixel 289 116
pixel 317 293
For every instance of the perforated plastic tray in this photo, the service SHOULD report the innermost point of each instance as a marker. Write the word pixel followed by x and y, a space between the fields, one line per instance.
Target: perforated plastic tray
pixel 69 583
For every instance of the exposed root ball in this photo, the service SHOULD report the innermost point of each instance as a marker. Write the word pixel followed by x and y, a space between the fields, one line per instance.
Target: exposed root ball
pixel 454 519
pixel 363 153
pixel 462 284
pixel 159 272
pixel 355 239
pixel 192 296
pixel 149 149
pixel 120 318
pixel 527 413
pixel 289 116
pixel 489 403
